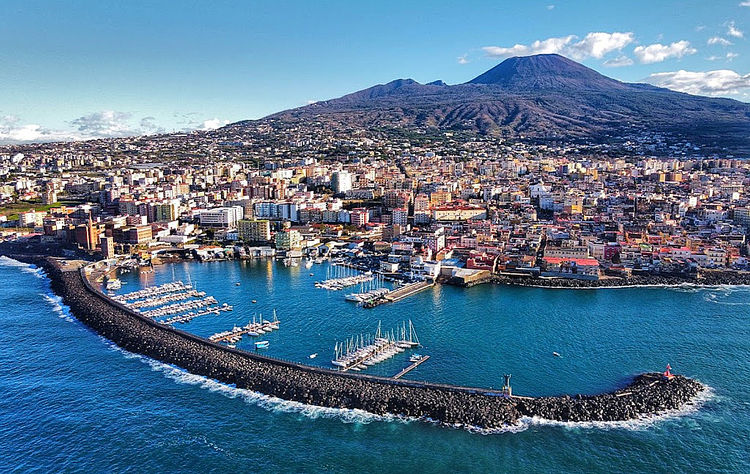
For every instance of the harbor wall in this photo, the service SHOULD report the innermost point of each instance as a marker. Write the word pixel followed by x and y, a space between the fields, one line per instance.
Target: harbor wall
pixel 466 406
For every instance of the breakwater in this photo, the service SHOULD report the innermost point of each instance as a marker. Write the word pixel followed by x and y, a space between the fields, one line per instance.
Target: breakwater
pixel 467 406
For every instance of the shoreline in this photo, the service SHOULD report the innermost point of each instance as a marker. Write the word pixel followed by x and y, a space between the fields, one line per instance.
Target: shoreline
pixel 644 396
pixel 708 279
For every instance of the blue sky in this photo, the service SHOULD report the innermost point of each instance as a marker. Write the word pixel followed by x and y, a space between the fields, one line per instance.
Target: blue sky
pixel 91 68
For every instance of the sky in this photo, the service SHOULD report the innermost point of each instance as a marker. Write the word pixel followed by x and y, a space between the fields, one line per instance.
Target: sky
pixel 91 68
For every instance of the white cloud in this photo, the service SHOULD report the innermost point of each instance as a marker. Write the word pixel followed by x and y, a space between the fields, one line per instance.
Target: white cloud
pixel 550 7
pixel 719 40
pixel 212 124
pixel 734 31
pixel 12 131
pixel 107 123
pixel 462 59
pixel 657 52
pixel 729 56
pixel 598 44
pixel 619 61
pixel 713 83
pixel 104 124
pixel 595 44
pixel 746 3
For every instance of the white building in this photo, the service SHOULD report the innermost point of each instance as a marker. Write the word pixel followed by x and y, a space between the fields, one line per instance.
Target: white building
pixel 221 216
pixel 341 181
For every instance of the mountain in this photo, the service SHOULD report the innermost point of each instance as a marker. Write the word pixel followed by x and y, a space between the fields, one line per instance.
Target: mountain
pixel 543 96
pixel 546 72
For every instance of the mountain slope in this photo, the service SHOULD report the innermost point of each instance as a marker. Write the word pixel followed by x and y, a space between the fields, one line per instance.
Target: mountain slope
pixel 543 96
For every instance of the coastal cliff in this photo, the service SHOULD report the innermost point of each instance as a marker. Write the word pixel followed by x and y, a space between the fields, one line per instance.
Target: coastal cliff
pixel 646 395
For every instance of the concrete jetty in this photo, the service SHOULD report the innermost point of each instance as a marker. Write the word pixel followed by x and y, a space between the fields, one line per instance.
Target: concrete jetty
pixel 467 406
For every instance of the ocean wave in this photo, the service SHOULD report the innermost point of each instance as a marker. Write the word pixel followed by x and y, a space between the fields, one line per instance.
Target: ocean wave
pixel 25 267
pixel 637 424
pixel 680 287
pixel 267 402
pixel 346 415
pixel 62 311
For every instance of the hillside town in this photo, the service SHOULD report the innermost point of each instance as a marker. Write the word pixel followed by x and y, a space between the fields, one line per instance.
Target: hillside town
pixel 415 206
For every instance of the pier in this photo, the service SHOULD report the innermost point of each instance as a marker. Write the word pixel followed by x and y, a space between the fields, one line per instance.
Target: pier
pixel 399 293
pixel 411 367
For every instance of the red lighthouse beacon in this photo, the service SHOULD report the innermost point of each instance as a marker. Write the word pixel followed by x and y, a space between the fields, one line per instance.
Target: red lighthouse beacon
pixel 668 373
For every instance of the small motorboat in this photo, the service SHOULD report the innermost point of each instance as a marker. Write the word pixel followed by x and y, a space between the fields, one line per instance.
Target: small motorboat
pixel 253 301
pixel 312 356
pixel 261 345
pixel 556 354
pixel 237 284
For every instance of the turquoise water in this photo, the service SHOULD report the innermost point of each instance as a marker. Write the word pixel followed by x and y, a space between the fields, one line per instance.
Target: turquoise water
pixel 72 401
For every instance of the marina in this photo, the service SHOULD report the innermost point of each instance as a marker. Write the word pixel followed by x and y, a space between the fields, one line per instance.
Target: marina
pixel 339 277
pixel 359 352
pixel 180 303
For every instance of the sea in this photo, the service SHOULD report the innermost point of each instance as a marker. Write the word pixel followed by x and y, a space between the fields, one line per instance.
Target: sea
pixel 71 401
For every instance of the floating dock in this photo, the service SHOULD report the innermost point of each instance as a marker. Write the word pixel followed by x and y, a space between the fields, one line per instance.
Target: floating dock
pixel 411 367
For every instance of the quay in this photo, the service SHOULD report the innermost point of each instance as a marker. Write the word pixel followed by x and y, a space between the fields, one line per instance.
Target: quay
pixel 411 367
pixel 399 293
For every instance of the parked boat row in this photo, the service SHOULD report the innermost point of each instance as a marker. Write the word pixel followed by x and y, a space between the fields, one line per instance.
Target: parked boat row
pixel 152 291
pixel 253 328
pixel 168 298
pixel 363 351
pixel 367 296
pixel 180 307
pixel 187 317
pixel 341 283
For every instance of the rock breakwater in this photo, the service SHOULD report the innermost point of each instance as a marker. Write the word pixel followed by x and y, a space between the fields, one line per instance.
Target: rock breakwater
pixel 466 406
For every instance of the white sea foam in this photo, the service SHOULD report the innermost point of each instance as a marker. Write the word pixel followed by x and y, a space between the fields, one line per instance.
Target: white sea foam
pixel 24 267
pixel 345 415
pixel 62 311
pixel 266 402
pixel 638 424
pixel 681 287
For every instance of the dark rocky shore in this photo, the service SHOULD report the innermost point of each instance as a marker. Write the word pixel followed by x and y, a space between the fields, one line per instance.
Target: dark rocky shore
pixel 705 278
pixel 472 407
